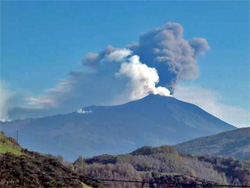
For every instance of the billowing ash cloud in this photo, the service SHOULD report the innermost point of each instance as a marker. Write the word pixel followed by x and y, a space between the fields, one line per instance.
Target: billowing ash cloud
pixel 113 76
pixel 117 75
pixel 174 57
pixel 93 60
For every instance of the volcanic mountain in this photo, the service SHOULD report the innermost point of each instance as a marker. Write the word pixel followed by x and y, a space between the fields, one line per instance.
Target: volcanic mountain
pixel 153 120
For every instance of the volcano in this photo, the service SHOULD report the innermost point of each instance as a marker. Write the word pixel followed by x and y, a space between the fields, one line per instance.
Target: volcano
pixel 153 120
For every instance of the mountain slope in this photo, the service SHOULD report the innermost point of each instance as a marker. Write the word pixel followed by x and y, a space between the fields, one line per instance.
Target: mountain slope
pixel 165 163
pixel 153 120
pixel 9 145
pixel 230 143
pixel 31 169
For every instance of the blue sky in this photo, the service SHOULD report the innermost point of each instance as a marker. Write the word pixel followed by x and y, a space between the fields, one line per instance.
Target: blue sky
pixel 41 42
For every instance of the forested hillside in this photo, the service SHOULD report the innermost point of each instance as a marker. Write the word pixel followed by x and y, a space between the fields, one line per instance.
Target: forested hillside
pixel 163 163
pixel 159 166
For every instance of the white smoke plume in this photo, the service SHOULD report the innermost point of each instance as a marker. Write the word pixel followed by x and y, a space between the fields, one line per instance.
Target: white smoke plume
pixel 143 79
pixel 82 111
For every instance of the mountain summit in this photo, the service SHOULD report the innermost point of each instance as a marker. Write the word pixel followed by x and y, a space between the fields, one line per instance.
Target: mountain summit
pixel 153 120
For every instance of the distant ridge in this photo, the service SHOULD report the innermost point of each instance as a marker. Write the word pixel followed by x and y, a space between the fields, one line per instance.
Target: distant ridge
pixel 153 120
pixel 234 143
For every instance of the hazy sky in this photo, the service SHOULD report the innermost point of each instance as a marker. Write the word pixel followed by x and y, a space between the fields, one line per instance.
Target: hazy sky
pixel 42 42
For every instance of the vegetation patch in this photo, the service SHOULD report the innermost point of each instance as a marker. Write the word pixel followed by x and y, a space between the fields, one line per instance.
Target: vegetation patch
pixel 8 144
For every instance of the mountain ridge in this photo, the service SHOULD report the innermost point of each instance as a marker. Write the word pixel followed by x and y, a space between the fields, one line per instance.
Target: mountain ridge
pixel 153 120
pixel 234 143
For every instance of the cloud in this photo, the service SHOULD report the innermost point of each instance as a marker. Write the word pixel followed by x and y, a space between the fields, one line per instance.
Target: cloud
pixel 4 99
pixel 209 101
pixel 155 64
pixel 114 77
pixel 93 60
pixel 118 55
pixel 9 100
pixel 173 56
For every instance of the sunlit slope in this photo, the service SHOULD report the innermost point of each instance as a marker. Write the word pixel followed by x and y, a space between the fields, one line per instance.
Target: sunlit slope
pixel 9 145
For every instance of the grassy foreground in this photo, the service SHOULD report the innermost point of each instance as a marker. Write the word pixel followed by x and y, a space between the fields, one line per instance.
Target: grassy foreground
pixel 9 145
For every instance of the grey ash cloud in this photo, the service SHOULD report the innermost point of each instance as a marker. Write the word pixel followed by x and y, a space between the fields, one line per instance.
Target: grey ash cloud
pixel 174 57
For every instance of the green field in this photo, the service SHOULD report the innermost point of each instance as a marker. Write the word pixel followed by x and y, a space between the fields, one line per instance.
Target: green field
pixel 7 146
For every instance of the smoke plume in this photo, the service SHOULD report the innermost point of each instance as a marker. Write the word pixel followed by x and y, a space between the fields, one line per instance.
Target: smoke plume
pixel 142 79
pixel 4 102
pixel 154 65
pixel 174 57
